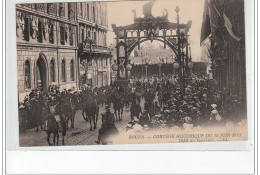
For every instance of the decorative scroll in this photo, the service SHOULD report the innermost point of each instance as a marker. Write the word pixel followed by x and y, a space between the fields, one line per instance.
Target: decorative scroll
pixel 40 6
pixel 67 33
pixel 71 12
pixel 71 33
pixel 50 8
pixel 19 24
pixel 34 26
pixel 61 10
pixel 46 29
pixel 51 31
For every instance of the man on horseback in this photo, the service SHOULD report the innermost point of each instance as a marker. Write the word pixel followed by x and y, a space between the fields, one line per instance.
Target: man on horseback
pixel 108 128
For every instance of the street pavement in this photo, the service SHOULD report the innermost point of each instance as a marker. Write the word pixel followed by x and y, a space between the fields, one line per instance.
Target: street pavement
pixel 79 135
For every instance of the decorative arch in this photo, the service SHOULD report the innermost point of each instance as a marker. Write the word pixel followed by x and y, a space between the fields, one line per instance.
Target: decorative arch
pixel 157 39
pixel 148 28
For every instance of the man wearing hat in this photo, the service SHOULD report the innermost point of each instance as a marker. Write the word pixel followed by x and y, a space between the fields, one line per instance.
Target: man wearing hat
pixel 108 128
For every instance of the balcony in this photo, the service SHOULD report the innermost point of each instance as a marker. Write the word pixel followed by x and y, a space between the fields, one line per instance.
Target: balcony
pixel 85 48
pixel 94 48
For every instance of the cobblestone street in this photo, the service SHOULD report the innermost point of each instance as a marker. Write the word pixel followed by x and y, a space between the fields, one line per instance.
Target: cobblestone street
pixel 79 135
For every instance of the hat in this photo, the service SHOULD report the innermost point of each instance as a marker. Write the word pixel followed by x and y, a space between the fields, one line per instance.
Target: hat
pixel 188 119
pixel 163 124
pixel 214 111
pixel 146 127
pixel 214 105
pixel 136 119
pixel 21 106
pixel 129 125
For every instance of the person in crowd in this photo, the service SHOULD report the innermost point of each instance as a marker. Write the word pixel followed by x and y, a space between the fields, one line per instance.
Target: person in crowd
pixel 108 128
pixel 135 109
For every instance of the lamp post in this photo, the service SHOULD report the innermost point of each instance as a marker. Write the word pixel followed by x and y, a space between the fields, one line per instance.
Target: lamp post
pixel 133 64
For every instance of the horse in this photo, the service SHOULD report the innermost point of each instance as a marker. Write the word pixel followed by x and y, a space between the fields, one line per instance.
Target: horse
pixel 54 125
pixel 118 105
pixel 68 109
pixel 91 111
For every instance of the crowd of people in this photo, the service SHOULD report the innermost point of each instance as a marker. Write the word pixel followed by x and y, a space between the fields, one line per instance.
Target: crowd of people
pixel 169 103
pixel 153 103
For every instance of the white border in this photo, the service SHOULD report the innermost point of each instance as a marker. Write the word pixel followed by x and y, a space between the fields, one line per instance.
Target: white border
pixel 21 161
pixel 12 132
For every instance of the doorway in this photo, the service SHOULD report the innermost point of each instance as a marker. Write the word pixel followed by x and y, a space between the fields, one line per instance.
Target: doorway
pixel 41 74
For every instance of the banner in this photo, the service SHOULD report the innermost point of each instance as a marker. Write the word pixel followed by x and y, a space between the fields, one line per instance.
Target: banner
pixel 229 26
pixel 205 29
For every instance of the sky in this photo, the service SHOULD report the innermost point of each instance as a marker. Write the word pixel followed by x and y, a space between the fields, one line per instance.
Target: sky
pixel 119 13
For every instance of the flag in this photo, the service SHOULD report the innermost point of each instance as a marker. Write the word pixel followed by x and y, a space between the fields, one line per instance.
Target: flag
pixel 214 15
pixel 205 28
pixel 229 26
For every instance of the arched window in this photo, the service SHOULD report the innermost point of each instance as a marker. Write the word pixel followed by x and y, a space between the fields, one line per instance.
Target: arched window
pixel 27 75
pixel 52 69
pixel 72 70
pixel 63 71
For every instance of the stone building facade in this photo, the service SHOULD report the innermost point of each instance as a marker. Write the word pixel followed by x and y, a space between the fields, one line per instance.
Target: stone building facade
pixel 50 47
pixel 92 42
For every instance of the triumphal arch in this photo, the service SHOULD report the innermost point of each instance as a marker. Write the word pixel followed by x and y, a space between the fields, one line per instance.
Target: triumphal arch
pixel 149 28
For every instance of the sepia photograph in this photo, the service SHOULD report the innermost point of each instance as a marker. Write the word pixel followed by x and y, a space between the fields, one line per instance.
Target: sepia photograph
pixel 131 72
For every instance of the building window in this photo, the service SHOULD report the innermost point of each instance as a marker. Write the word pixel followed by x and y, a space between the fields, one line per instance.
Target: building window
pixel 82 35
pixel 52 69
pixel 81 9
pixel 95 37
pixel 27 75
pixel 63 71
pixel 62 35
pixel 51 33
pixel 97 20
pixel 94 14
pixel 26 31
pixel 40 32
pixel 88 11
pixel 89 33
pixel 105 40
pixel 72 70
